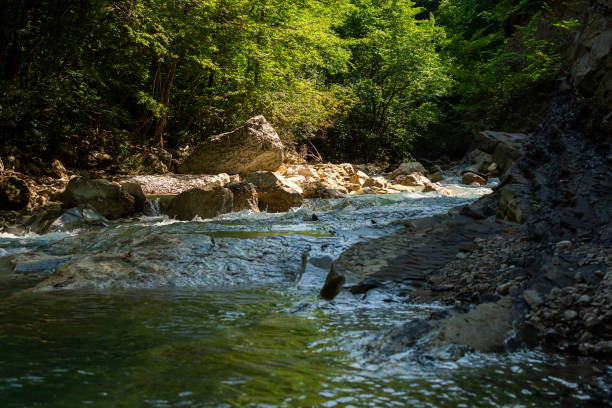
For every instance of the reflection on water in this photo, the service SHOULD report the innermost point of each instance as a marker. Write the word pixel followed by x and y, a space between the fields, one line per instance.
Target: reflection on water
pixel 248 347
pixel 261 344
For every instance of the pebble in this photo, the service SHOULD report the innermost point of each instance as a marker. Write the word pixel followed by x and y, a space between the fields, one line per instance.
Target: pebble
pixel 570 314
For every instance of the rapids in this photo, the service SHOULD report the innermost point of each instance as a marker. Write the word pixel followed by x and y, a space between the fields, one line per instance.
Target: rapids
pixel 232 318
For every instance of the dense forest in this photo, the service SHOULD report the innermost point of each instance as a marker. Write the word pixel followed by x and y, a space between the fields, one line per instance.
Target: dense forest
pixel 360 80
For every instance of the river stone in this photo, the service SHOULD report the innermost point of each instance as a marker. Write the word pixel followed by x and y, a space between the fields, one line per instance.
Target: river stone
pixel 408 168
pixel 471 179
pixel 245 196
pixel 412 180
pixel 108 199
pixel 484 328
pixel 57 170
pixel 513 203
pixel 206 202
pixel 135 190
pixel 316 189
pixel 505 148
pixel 14 193
pixel 254 146
pixel 275 193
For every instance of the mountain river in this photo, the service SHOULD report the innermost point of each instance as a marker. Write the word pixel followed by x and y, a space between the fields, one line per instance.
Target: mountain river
pixel 235 321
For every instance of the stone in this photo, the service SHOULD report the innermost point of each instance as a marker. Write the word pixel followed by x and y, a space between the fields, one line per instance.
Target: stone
pixel 412 180
pixel 1 165
pixel 505 148
pixel 57 170
pixel 480 159
pixel 408 168
pixel 347 168
pixel 307 171
pixel 532 298
pixel 365 190
pixel 78 217
pixel 379 182
pixel 402 188
pixel 436 177
pixel 570 314
pixel 206 202
pixel 254 146
pixel 563 244
pixel 245 196
pixel 470 178
pixel 275 193
pixel 135 190
pixel 152 160
pixel 358 178
pixel 436 187
pixel 484 328
pixel 14 193
pixel 100 159
pixel 108 199
pixel 512 203
pixel 316 189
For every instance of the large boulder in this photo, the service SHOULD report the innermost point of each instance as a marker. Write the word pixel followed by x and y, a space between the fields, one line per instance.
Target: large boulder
pixel 108 199
pixel 408 168
pixel 254 146
pixel 207 202
pixel 275 193
pixel 245 196
pixel 501 148
pixel 14 193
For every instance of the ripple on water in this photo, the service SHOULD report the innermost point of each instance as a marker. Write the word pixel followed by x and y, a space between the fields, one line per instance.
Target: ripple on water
pixel 263 342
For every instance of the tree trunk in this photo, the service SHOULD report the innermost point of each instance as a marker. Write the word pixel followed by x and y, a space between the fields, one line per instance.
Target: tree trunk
pixel 160 125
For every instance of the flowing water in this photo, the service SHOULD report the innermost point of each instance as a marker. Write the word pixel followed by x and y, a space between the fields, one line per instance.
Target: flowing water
pixel 244 326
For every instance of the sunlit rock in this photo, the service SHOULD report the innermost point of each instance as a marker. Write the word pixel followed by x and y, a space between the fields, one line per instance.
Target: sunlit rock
pixel 254 146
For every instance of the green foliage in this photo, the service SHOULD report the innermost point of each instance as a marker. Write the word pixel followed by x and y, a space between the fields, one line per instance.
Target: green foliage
pixel 366 79
pixel 502 65
pixel 395 80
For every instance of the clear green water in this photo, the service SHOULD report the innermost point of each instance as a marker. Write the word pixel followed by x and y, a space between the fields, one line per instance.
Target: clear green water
pixel 245 347
pixel 265 343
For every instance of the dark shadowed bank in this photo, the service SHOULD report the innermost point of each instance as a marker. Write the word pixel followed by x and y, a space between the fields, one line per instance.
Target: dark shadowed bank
pixel 545 278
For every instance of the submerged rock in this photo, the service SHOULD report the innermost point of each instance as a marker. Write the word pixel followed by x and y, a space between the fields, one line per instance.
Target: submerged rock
pixel 254 146
pixel 207 202
pixel 108 199
pixel 169 255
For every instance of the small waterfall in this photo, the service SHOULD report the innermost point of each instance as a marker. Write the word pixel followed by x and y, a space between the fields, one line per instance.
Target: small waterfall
pixel 152 207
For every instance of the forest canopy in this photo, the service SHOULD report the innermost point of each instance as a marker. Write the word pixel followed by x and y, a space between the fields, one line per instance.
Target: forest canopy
pixel 364 80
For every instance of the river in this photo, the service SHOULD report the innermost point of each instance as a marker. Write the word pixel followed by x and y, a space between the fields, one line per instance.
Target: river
pixel 235 320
